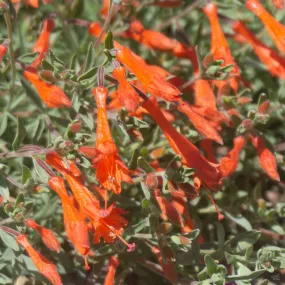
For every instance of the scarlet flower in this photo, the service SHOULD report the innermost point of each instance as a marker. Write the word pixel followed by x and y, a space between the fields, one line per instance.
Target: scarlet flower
pixel 152 81
pixel 42 44
pixel 52 95
pixel 275 29
pixel 167 267
pixel 44 266
pixel 180 205
pixel 207 146
pixel 105 8
pixel 219 46
pixel 206 171
pixel 113 264
pixel 278 3
pixel 33 3
pixel 151 39
pixel 3 51
pixel 204 95
pixel 74 222
pixel 48 237
pixel 229 163
pixel 128 97
pixel 169 211
pixel 266 158
pixel 88 204
pixel 201 125
pixel 110 170
pixel 272 60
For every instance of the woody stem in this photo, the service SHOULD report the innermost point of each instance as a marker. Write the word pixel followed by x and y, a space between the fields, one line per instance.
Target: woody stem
pixel 114 9
pixel 12 55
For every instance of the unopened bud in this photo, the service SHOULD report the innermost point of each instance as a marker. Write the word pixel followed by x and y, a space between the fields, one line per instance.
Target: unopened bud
pixel 4 7
pixel 165 228
pixel 248 124
pixel 151 181
pixel 76 127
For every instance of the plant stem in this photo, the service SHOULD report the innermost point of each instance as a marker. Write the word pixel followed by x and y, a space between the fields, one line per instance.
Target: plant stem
pixel 14 154
pixel 12 55
pixel 183 13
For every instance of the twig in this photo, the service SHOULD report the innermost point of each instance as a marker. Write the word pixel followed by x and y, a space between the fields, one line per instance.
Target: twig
pixel 189 82
pixel 183 13
pixel 12 181
pixel 114 9
pixel 14 154
pixel 12 55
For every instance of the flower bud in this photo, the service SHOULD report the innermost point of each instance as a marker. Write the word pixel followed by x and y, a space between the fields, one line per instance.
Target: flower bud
pixel 151 181
pixel 4 7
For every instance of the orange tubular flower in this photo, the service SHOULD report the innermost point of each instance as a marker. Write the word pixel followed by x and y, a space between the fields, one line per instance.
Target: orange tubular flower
pixel 152 81
pixel 151 39
pixel 219 46
pixel 168 268
pixel 44 266
pixel 113 264
pixel 274 62
pixel 42 44
pixel 128 97
pixel 278 3
pixel 105 8
pixel 110 170
pixel 48 237
pixel 169 212
pixel 3 51
pixel 180 205
pixel 266 158
pixel 52 95
pixel 207 147
pixel 33 3
pixel 206 171
pixel 204 95
pixel 275 29
pixel 201 125
pixel 229 163
pixel 75 226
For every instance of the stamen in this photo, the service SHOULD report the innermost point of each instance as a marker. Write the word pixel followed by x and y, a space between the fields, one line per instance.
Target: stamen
pixel 131 247
pixel 87 267
pixel 220 216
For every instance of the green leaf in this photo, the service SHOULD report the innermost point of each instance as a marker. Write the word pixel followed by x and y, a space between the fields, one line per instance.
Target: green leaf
pixel 4 191
pixel 26 174
pixel 41 172
pixel 248 276
pixel 20 199
pixel 193 234
pixel 144 165
pixel 47 65
pixel 248 239
pixel 134 160
pixel 203 275
pixel 221 235
pixel 31 93
pixel 3 123
pixel 211 264
pixel 9 240
pixel 28 58
pixel 109 41
pixel 88 74
pixel 5 279
pixel 240 220
pixel 89 58
pixel 73 61
pixel 20 135
pixel 145 191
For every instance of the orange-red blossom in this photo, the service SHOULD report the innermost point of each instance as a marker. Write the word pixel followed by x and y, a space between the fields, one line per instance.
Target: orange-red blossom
pixel 75 226
pixel 275 29
pixel 112 267
pixel 266 158
pixel 209 173
pixel 272 60
pixel 52 95
pixel 44 266
pixel 219 46
pixel 3 51
pixel 152 81
pixel 108 224
pixel 48 237
pixel 128 97
pixel 110 170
